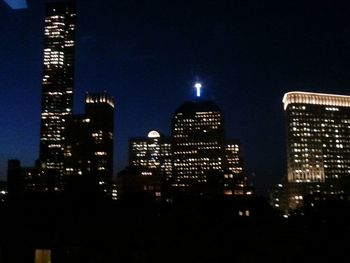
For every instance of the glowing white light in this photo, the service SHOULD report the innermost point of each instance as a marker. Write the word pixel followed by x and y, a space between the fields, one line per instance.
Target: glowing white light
pixel 198 87
pixel 153 134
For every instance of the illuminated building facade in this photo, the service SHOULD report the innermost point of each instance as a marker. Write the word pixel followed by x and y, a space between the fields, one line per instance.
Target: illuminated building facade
pixel 318 144
pixel 99 108
pixel 233 157
pixel 57 86
pixel 197 147
pixel 89 141
pixel 234 182
pixel 151 159
pixel 196 161
pixel 152 152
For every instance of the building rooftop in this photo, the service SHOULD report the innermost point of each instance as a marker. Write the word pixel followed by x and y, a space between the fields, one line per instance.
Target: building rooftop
pixel 315 99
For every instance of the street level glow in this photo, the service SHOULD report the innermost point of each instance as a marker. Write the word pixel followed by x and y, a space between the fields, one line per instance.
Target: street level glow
pixel 198 87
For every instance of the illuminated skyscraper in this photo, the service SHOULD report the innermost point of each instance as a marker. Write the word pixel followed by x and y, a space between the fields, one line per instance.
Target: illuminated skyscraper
pixel 99 108
pixel 88 154
pixel 149 165
pixel 57 86
pixel 233 157
pixel 204 163
pixel 318 145
pixel 152 152
pixel 235 181
pixel 197 146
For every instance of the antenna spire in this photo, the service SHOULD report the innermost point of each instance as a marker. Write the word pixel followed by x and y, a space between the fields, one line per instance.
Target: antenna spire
pixel 198 87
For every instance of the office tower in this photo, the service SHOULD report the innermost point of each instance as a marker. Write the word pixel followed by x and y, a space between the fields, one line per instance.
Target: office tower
pixel 152 153
pixel 235 181
pixel 318 148
pixel 149 165
pixel 233 157
pixel 197 147
pixel 88 153
pixel 78 152
pixel 57 87
pixel 99 108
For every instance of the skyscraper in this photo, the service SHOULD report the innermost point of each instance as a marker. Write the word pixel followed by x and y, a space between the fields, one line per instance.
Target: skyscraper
pixel 88 154
pixel 99 108
pixel 152 153
pixel 235 182
pixel 149 166
pixel 318 145
pixel 197 147
pixel 57 86
pixel 204 163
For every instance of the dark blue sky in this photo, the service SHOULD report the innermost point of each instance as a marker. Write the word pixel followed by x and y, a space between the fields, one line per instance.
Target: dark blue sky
pixel 148 54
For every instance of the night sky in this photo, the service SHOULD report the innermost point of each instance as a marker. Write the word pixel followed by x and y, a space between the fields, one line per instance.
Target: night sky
pixel 148 54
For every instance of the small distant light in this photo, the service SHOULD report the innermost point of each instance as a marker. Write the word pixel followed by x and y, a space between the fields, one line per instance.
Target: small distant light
pixel 285 216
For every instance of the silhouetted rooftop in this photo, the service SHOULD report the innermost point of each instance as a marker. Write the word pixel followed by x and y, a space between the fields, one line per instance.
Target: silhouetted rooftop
pixel 198 106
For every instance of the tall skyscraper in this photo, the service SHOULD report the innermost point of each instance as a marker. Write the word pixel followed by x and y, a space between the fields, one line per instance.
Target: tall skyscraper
pixel 99 108
pixel 57 86
pixel 204 163
pixel 88 154
pixel 318 145
pixel 197 147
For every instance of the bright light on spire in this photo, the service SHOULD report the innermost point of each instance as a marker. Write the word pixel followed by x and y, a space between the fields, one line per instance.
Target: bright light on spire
pixel 198 87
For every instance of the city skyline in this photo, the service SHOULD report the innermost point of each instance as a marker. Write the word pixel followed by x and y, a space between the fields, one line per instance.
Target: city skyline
pixel 249 103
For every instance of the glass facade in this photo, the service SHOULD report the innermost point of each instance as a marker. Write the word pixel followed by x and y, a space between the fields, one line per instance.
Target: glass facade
pixel 57 85
pixel 318 143
pixel 198 145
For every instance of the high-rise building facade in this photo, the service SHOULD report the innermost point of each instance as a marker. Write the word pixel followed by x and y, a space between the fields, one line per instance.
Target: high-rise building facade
pixel 318 144
pixel 149 165
pixel 88 152
pixel 197 161
pixel 197 146
pixel 57 86
pixel 235 182
pixel 233 157
pixel 99 108
pixel 152 152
